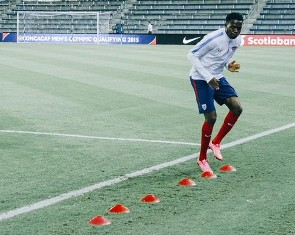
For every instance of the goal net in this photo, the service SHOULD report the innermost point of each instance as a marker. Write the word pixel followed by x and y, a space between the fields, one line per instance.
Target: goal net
pixel 38 22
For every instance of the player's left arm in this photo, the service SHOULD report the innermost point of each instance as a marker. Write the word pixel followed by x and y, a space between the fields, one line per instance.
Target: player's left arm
pixel 233 66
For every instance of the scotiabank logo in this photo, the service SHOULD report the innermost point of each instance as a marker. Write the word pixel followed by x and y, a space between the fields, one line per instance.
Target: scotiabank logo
pixel 268 40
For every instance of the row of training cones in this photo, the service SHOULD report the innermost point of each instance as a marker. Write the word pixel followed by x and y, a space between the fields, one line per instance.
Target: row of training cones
pixel 99 221
pixel 207 174
pixel 150 198
pixel 120 209
pixel 225 168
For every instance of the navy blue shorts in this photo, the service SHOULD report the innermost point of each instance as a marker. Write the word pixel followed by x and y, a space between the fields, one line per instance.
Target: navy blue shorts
pixel 205 95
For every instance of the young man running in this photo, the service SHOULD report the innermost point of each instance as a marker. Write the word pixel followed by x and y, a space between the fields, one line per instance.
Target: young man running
pixel 209 57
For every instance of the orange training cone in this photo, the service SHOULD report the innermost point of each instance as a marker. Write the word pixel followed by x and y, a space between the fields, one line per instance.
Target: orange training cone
pixel 150 198
pixel 119 208
pixel 187 182
pixel 226 168
pixel 99 221
pixel 208 174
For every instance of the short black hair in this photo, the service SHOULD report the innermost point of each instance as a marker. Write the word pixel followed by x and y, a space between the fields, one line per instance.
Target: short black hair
pixel 234 16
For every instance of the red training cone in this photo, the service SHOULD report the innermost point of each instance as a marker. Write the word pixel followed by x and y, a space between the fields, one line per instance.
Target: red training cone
pixel 227 168
pixel 187 182
pixel 150 198
pixel 99 221
pixel 208 174
pixel 119 208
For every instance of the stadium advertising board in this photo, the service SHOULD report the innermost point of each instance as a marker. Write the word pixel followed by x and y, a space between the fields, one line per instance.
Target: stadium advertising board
pixel 268 40
pixel 248 40
pixel 179 39
pixel 8 37
pixel 168 39
pixel 81 38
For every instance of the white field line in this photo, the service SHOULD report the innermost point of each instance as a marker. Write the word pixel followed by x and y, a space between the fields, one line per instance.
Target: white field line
pixel 97 137
pixel 76 193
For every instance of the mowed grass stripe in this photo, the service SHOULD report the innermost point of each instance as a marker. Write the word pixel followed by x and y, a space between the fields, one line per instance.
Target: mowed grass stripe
pixel 63 99
pixel 102 57
pixel 135 83
pixel 76 193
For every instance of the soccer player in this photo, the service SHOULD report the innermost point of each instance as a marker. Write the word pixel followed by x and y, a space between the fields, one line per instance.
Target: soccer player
pixel 209 57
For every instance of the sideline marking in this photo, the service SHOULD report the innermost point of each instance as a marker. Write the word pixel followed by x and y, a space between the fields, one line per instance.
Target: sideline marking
pixel 97 137
pixel 76 193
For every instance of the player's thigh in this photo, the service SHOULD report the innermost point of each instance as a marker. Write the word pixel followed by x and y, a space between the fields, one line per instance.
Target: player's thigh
pixel 204 96
pixel 225 92
pixel 234 104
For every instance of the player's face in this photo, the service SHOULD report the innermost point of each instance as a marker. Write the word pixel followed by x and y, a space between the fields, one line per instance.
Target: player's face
pixel 233 28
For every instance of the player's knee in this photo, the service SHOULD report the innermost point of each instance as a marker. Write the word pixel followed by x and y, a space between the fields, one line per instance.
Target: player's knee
pixel 240 110
pixel 237 110
pixel 211 118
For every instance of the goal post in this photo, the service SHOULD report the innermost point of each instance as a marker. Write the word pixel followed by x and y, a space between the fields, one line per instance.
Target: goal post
pixel 45 22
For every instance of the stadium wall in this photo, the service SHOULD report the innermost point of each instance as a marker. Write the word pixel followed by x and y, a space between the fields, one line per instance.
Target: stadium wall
pixel 167 39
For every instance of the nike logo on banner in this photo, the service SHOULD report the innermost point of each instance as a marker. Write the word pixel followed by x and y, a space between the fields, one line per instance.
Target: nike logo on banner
pixel 186 41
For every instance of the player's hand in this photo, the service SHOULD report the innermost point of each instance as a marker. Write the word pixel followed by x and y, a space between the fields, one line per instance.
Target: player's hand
pixel 233 66
pixel 214 83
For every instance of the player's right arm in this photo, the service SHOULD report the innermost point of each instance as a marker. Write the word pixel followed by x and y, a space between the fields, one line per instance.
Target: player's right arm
pixel 194 55
pixel 214 83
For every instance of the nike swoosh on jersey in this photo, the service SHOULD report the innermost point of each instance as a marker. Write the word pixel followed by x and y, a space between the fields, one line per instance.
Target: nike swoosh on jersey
pixel 186 41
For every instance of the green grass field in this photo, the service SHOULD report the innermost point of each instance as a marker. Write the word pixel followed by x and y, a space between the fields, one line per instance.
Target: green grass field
pixel 74 116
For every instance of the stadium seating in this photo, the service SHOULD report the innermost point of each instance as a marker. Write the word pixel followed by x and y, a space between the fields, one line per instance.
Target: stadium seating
pixel 9 17
pixel 277 17
pixel 182 16
pixel 167 16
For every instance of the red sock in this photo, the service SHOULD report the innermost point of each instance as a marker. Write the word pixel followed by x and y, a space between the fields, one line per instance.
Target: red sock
pixel 206 137
pixel 227 125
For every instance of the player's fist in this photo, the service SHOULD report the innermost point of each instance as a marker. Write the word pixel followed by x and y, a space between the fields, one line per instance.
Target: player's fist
pixel 233 66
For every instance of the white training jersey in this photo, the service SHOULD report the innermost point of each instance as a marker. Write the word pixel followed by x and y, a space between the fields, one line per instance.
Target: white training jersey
pixel 212 54
pixel 150 27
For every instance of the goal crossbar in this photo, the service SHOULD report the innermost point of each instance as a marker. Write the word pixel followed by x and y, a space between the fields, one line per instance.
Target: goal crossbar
pixel 62 22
